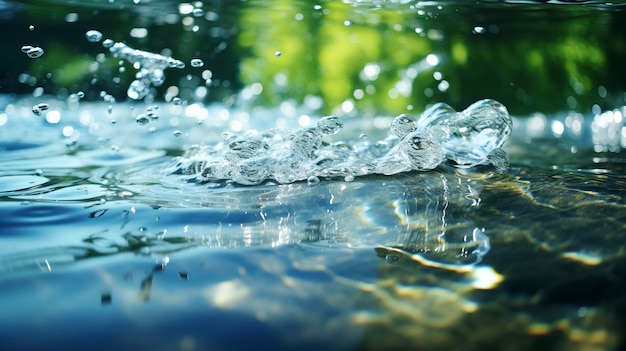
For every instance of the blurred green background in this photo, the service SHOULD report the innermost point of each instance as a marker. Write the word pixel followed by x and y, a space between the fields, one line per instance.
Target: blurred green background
pixel 349 57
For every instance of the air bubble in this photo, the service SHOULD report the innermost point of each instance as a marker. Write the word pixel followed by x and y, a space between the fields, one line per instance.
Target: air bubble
pixel 93 36
pixel 196 62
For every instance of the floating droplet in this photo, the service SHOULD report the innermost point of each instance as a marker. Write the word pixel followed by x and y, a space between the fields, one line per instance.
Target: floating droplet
pixel 93 36
pixel 142 119
pixel 32 51
pixel 39 108
pixel 177 133
pixel 197 12
pixel 177 101
pixel 107 43
pixel 363 136
pixel 196 62
pixel 478 30
pixel 278 54
pixel 137 90
pixel 31 27
pixel 80 94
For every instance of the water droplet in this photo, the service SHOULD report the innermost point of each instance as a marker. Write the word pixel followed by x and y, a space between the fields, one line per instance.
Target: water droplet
pixel 39 108
pixel 107 43
pixel 196 62
pixel 363 136
pixel 142 119
pixel 93 36
pixel 32 51
pixel 80 94
pixel 278 54
pixel 31 27
pixel 177 133
pixel 177 101
pixel 197 12
pixel 137 90
pixel 329 125
pixel 478 30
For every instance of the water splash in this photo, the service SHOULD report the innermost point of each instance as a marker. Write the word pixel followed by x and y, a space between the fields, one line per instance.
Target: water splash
pixel 463 139
pixel 151 67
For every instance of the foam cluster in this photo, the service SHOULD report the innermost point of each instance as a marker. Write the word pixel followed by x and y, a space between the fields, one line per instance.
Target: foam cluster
pixel 462 139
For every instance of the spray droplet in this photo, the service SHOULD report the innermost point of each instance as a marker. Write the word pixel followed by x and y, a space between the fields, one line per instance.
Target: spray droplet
pixel 93 36
pixel 107 43
pixel 196 62
pixel 31 27
pixel 177 133
pixel 39 108
pixel 32 51
pixel 278 54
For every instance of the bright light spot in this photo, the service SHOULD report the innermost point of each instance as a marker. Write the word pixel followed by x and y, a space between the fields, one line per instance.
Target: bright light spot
pixel 256 88
pixel 432 59
pixel 236 125
pixel 558 128
pixel 443 86
pixel 200 93
pixel 437 75
pixel 485 278
pixel 53 116
pixel 185 9
pixel 536 125
pixel 68 131
pixel 347 106
pixel 304 121
pixel 139 32
pixel 371 71
pixel 71 17
pixel 3 118
pixel 358 94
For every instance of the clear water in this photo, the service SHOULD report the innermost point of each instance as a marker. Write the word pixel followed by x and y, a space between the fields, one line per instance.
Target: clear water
pixel 104 244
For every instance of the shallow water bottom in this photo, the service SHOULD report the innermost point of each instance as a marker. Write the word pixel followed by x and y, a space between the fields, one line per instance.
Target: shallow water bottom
pixel 102 249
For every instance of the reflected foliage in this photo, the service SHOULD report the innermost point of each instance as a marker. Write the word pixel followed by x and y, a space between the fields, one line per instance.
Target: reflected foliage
pixel 358 57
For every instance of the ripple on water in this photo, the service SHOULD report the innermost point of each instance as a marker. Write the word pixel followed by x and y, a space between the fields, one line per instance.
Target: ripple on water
pixel 20 182
pixel 125 156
